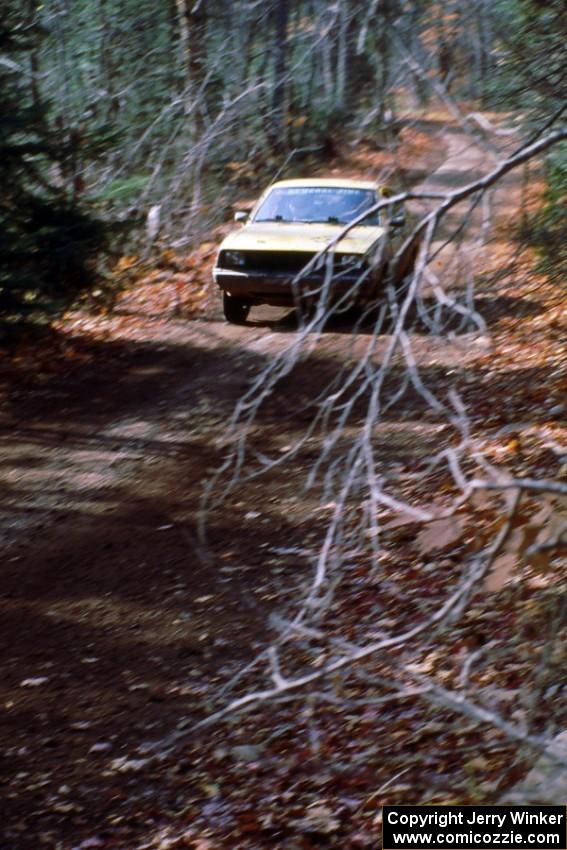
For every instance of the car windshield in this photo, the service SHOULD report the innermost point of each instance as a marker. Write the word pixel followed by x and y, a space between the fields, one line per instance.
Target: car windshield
pixel 315 204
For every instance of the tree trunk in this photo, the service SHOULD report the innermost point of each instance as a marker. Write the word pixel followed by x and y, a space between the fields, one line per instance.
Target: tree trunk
pixel 33 57
pixel 192 21
pixel 279 98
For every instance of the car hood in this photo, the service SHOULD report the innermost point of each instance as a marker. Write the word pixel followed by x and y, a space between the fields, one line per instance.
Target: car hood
pixel 283 236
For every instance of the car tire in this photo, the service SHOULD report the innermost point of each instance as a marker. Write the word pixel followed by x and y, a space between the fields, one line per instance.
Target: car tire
pixel 235 309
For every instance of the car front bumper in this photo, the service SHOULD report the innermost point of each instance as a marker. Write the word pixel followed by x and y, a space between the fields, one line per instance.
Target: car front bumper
pixel 279 288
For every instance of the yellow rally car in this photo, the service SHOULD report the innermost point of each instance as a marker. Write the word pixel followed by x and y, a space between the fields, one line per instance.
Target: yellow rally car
pixel 271 259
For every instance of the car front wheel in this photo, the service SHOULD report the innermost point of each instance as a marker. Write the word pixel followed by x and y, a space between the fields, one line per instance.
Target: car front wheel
pixel 235 309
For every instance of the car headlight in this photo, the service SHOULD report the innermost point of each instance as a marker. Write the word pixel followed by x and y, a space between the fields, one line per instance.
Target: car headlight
pixel 233 259
pixel 349 261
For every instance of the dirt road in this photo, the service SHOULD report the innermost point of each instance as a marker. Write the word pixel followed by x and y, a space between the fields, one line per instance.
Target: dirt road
pixel 115 623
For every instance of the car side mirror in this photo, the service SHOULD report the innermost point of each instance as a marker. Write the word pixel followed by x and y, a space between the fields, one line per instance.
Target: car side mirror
pixel 241 216
pixel 398 220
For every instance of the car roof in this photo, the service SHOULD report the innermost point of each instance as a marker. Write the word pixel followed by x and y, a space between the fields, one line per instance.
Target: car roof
pixel 325 182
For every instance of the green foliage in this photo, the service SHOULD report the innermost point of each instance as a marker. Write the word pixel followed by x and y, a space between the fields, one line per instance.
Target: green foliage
pixel 49 242
pixel 550 226
pixel 123 189
pixel 532 39
pixel 531 76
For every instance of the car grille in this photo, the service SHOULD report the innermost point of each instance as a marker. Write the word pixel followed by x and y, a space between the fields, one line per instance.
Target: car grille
pixel 290 262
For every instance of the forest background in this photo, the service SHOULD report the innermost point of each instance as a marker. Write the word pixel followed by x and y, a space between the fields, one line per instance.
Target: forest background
pixel 113 111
